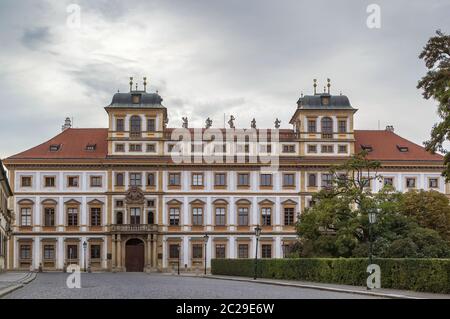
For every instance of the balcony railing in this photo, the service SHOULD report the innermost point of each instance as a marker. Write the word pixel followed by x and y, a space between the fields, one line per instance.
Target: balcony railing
pixel 133 228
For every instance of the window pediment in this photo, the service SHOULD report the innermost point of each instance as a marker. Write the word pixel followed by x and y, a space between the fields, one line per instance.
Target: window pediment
pixel 197 202
pixel 25 201
pixel 95 202
pixel 289 202
pixel 243 202
pixel 266 202
pixel 174 202
pixel 49 202
pixel 72 202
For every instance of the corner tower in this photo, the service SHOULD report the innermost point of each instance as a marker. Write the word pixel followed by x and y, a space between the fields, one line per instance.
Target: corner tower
pixel 136 122
pixel 324 124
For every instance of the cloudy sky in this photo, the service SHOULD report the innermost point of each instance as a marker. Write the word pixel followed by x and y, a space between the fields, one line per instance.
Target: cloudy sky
pixel 248 58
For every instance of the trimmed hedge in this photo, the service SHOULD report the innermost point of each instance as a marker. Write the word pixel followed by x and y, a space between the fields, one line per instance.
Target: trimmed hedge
pixel 430 275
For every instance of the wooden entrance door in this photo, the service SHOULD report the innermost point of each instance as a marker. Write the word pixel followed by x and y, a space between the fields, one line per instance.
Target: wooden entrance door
pixel 134 255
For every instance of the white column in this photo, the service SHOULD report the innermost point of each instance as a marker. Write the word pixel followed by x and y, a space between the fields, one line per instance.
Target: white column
pixel 83 212
pixel 165 255
pixel 278 250
pixel 37 252
pixel 186 251
pixel 185 209
pixel 60 253
pixel 254 212
pixel 232 247
pixel 208 214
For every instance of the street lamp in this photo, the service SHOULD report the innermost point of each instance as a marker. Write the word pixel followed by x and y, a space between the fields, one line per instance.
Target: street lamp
pixel 372 220
pixel 206 237
pixel 257 234
pixel 84 248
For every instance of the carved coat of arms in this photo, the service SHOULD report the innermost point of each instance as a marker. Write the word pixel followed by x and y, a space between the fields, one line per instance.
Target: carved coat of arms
pixel 134 196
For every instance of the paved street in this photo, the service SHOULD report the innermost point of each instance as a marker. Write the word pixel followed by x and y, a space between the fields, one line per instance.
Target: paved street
pixel 140 285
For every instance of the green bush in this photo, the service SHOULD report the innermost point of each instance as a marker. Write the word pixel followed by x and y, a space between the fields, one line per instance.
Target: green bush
pixel 418 274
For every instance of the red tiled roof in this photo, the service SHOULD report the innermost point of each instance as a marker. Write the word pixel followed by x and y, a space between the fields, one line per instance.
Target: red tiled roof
pixel 73 142
pixel 385 146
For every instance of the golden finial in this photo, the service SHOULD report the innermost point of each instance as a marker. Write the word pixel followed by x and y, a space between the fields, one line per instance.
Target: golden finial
pixel 315 85
pixel 145 84
pixel 131 83
pixel 136 86
pixel 328 85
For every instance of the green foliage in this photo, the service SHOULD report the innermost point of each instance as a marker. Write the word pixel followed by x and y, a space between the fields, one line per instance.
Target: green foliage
pixel 431 275
pixel 436 84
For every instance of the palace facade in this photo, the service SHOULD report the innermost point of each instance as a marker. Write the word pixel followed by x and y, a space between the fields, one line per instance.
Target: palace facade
pixel 6 217
pixel 117 199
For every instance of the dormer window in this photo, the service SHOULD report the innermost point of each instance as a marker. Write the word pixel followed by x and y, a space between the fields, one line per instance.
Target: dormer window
pixel 402 149
pixel 136 98
pixel 55 147
pixel 91 147
pixel 325 100
pixel 367 148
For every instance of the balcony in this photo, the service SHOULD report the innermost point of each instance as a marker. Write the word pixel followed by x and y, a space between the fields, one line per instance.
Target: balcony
pixel 134 228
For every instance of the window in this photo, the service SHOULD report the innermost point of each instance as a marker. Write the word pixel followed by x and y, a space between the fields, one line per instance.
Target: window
pixel 289 180
pixel 72 216
pixel 197 179
pixel 151 203
pixel 151 127
pixel 327 127
pixel 220 216
pixel 25 251
pixel 120 127
pixel 151 148
pixel 174 251
pixel 119 179
pixel 49 216
pixel 266 216
pixel 136 98
pixel 91 147
pixel 287 250
pixel 312 126
pixel 150 217
pixel 170 147
pixel 119 218
pixel 433 183
pixel 150 179
pixel 327 180
pixel 96 216
pixel 72 251
pixel 25 216
pixel 135 215
pixel 342 126
pixel 25 181
pixel 49 181
pixel 312 180
pixel 96 181
pixel 312 148
pixel 288 216
pixel 197 251
pixel 342 149
pixel 135 126
pixel 243 250
pixel 266 251
pixel 402 149
pixel 95 251
pixel 174 216
pixel 288 148
pixel 266 179
pixel 54 147
pixel 243 179
pixel 220 179
pixel 72 181
pixel 410 182
pixel 388 181
pixel 49 252
pixel 174 179
pixel 135 179
pixel 197 216
pixel 135 148
pixel 327 149
pixel 120 148
pixel 243 216
pixel 220 251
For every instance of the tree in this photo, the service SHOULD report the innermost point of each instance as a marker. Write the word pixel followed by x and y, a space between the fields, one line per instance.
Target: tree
pixel 429 209
pixel 436 84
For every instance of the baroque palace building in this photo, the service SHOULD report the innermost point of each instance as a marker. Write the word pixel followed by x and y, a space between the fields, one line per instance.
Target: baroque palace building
pixel 117 199
pixel 6 217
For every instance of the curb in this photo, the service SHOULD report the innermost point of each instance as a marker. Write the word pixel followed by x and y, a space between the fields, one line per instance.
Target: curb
pixel 306 286
pixel 19 284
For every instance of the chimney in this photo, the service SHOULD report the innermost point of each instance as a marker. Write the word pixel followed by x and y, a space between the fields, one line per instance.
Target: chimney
pixel 67 124
pixel 389 128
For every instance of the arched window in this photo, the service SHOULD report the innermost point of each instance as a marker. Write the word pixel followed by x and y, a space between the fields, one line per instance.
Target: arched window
pixel 135 126
pixel 327 127
pixel 119 218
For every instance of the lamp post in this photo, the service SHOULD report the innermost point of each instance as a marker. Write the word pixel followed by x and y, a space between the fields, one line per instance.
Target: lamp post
pixel 84 248
pixel 206 237
pixel 257 234
pixel 372 220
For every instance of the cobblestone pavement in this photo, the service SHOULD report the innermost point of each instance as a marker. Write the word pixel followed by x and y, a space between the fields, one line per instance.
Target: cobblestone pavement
pixel 141 285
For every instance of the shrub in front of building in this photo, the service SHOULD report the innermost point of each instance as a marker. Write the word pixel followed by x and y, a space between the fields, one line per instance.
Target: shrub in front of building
pixel 430 275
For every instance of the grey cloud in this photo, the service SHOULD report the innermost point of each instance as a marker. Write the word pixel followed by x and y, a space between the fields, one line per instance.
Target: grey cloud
pixel 36 37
